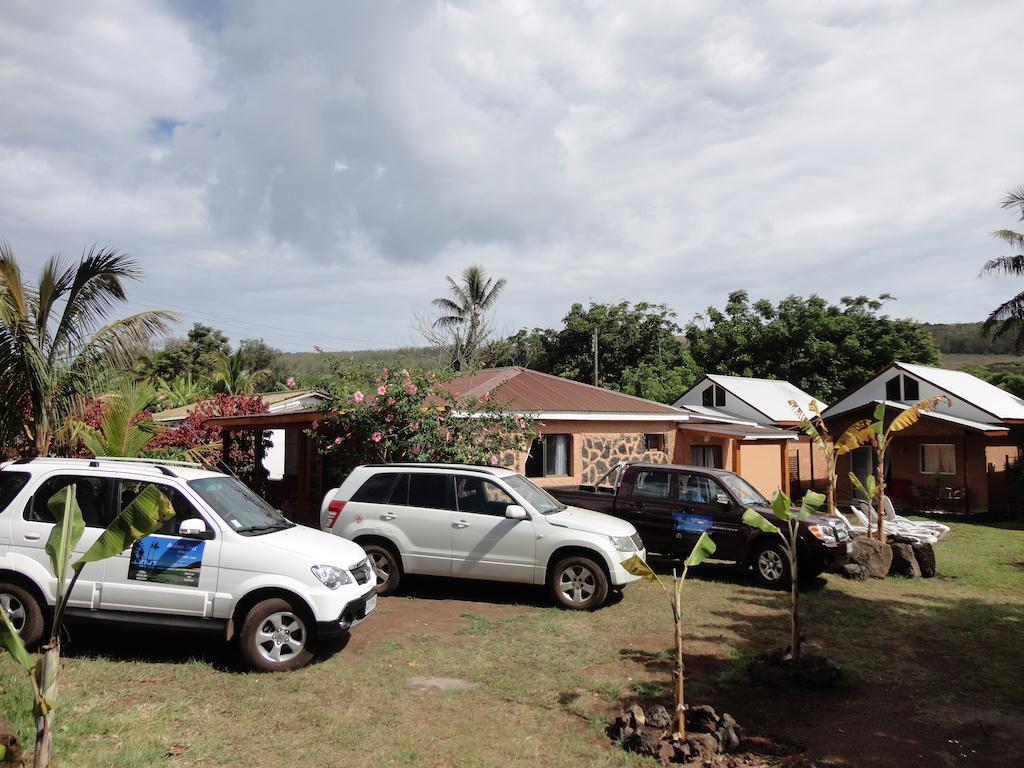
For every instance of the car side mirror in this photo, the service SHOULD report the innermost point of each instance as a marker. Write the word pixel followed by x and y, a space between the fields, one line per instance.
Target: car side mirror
pixel 723 500
pixel 194 528
pixel 515 512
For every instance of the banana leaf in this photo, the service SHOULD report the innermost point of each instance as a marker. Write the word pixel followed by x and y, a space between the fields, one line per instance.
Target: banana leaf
pixel 150 510
pixel 61 542
pixel 11 640
pixel 759 521
pixel 703 549
pixel 636 566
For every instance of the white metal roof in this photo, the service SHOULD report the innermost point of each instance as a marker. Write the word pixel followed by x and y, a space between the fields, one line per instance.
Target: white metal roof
pixel 981 394
pixel 769 396
pixel 980 426
pixel 742 431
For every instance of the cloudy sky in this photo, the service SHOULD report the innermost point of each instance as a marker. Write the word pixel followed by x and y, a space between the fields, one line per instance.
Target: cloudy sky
pixel 309 172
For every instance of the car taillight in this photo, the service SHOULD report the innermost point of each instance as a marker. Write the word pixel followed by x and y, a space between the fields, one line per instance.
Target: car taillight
pixel 334 512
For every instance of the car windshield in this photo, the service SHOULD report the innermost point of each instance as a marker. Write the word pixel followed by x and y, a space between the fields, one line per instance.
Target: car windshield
pixel 240 508
pixel 537 497
pixel 742 490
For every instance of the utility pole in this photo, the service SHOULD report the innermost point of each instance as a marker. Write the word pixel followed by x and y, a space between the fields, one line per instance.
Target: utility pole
pixel 595 357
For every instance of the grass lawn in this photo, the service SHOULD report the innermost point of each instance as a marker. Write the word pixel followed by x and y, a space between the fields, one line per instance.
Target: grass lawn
pixel 932 676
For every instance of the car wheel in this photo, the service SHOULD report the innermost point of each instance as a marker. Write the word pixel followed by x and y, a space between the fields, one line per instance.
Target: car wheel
pixel 578 583
pixel 771 565
pixel 24 612
pixel 385 566
pixel 276 637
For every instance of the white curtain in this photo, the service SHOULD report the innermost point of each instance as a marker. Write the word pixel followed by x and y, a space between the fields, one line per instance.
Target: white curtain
pixel 557 455
pixel 938 459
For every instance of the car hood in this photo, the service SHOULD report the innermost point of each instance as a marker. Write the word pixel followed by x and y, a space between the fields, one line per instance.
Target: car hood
pixel 592 522
pixel 311 544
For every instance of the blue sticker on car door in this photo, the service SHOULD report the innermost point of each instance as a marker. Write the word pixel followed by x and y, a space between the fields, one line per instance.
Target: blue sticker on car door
pixel 684 522
pixel 167 560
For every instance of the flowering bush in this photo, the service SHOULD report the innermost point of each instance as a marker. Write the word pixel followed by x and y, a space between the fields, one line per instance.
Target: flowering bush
pixel 194 433
pixel 411 416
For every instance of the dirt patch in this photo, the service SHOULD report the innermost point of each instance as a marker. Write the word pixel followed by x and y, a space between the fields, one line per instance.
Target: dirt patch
pixel 443 684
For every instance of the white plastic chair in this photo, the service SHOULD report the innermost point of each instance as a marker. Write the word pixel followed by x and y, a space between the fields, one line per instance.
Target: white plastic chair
pixel 937 529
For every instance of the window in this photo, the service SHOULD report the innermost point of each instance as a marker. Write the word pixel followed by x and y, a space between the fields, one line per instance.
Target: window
pixel 911 390
pixel 376 489
pixel 698 489
pixel 430 490
pixel 938 459
pixel 129 490
pixel 400 493
pixel 706 456
pixel 549 456
pixel 652 484
pixel 93 495
pixel 474 494
pixel 11 484
pixel 536 497
pixel 892 389
pixel 713 396
pixel 655 442
pixel 902 389
pixel 239 507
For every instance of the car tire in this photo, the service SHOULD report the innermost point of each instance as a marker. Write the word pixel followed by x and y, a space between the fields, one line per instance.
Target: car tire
pixel 386 566
pixel 24 612
pixel 276 636
pixel 771 565
pixel 578 583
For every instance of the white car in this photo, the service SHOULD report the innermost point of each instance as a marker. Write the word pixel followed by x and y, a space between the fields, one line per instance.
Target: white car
pixel 479 523
pixel 225 562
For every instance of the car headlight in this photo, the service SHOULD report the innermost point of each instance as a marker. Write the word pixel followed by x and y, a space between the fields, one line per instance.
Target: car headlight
pixel 331 576
pixel 623 543
pixel 824 533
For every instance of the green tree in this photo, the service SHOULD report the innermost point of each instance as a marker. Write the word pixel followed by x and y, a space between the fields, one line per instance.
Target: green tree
pixel 234 374
pixel 464 316
pixel 822 348
pixel 56 337
pixel 126 427
pixel 1009 315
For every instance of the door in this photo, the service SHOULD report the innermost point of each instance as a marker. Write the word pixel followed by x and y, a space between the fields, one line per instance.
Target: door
pixel 647 501
pixel 163 572
pixel 29 535
pixel 485 543
pixel 704 506
pixel 419 516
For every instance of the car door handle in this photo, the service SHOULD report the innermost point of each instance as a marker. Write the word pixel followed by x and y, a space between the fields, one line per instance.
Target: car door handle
pixel 31 537
pixel 461 524
pixel 388 516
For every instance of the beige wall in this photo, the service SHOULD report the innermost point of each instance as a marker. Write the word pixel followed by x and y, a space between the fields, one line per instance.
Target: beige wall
pixel 761 465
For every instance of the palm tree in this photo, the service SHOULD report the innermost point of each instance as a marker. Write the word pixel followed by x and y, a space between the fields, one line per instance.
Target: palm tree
pixel 464 315
pixel 179 391
pixel 234 375
pixel 1010 314
pixel 56 338
pixel 123 431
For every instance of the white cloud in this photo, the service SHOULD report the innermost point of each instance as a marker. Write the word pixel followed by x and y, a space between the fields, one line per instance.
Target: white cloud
pixel 315 170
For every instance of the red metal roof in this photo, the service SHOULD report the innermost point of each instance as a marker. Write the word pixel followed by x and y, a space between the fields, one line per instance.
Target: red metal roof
pixel 532 391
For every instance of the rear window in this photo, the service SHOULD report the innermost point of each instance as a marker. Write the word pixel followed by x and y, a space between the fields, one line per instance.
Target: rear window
pixel 377 488
pixel 94 495
pixel 431 491
pixel 11 484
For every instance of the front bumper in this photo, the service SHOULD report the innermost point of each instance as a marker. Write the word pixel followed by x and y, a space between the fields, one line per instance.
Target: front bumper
pixel 619 575
pixel 353 614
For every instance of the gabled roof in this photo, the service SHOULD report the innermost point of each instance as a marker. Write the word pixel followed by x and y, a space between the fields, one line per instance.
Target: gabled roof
pixel 553 397
pixel 770 397
pixel 276 401
pixel 960 385
pixel 975 426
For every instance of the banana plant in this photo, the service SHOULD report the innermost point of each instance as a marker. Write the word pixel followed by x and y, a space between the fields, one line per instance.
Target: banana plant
pixel 879 437
pixel 702 549
pixel 146 514
pixel 832 448
pixel 782 509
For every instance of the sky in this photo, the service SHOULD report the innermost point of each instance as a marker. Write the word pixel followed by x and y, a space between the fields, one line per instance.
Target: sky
pixel 309 172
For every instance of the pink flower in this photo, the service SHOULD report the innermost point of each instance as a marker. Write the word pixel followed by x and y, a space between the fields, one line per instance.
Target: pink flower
pixel 382 390
pixel 314 425
pixel 411 389
pixel 457 393
pixel 358 396
pixel 317 349
pixel 384 372
pixel 290 382
pixel 391 401
pixel 416 450
pixel 377 437
pixel 390 417
pixel 486 397
pixel 447 436
pixel 414 425
pixel 494 460
pixel 337 441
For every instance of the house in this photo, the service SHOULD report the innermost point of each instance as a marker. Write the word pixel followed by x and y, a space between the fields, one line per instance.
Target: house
pixel 281 457
pixel 764 402
pixel 958 458
pixel 585 430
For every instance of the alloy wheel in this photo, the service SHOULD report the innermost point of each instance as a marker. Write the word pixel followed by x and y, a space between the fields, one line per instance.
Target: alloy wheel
pixel 577 583
pixel 770 564
pixel 381 567
pixel 281 637
pixel 14 609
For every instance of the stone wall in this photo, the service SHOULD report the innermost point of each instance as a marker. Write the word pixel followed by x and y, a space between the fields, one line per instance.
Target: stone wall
pixel 601 452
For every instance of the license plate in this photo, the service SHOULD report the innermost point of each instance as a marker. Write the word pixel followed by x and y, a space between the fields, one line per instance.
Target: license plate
pixel 848 548
pixel 371 603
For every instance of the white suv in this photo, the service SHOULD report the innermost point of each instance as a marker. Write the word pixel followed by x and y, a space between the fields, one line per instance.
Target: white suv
pixel 479 523
pixel 225 562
